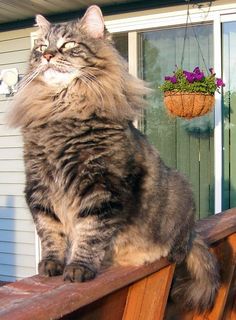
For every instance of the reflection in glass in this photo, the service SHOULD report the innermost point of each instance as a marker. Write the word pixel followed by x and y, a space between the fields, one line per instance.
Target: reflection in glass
pixel 229 114
pixel 187 145
pixel 121 43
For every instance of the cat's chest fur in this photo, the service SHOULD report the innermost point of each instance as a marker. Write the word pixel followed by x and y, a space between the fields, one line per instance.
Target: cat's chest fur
pixel 72 157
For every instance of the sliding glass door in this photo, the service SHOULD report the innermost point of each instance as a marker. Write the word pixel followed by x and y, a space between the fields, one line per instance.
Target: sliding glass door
pixel 194 147
pixel 229 113
pixel 187 145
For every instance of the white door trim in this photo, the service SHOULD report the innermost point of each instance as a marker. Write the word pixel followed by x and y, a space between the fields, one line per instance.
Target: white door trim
pixel 218 151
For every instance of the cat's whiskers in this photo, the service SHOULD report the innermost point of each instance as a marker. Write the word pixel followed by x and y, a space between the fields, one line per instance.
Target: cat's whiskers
pixel 91 86
pixel 96 82
pixel 61 67
pixel 100 82
pixel 65 63
pixel 87 77
pixel 25 80
pixel 97 86
pixel 29 78
pixel 98 70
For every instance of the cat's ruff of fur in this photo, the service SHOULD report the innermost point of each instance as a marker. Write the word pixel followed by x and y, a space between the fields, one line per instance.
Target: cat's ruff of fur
pixel 98 191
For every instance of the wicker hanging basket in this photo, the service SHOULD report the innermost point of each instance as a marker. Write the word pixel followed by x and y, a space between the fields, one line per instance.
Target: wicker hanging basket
pixel 188 104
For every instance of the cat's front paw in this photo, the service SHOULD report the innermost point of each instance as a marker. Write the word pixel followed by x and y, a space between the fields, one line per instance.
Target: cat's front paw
pixel 50 268
pixel 77 273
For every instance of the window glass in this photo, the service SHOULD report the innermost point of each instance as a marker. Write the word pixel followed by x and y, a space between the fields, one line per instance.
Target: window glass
pixel 187 145
pixel 121 43
pixel 229 114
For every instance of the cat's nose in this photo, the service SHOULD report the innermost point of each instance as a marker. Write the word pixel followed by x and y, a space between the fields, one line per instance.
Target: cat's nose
pixel 48 56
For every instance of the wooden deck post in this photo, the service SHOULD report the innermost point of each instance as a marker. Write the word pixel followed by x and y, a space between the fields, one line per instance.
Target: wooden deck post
pixel 225 251
pixel 147 298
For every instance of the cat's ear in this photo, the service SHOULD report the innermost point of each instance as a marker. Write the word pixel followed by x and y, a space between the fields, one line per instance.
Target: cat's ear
pixel 93 22
pixel 42 23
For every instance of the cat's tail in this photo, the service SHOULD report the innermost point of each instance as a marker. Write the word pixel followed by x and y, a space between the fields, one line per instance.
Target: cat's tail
pixel 198 290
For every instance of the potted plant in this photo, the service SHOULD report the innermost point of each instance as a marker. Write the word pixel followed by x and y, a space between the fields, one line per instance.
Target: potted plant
pixel 190 94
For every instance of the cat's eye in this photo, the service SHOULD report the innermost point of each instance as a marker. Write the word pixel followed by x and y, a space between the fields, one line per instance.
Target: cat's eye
pixel 42 47
pixel 69 45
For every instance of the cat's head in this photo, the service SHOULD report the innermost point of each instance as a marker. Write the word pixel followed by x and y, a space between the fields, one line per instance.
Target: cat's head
pixel 65 51
pixel 75 71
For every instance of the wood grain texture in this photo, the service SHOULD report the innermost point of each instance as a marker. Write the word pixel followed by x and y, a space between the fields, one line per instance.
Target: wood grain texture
pixel 230 309
pixel 226 255
pixel 218 226
pixel 44 298
pixel 147 298
pixel 107 308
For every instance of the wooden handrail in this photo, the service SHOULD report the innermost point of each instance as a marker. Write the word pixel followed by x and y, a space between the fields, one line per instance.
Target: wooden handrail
pixel 217 227
pixel 42 298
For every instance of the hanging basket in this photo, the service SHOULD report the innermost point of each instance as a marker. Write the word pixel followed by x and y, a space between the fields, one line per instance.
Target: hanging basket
pixel 188 104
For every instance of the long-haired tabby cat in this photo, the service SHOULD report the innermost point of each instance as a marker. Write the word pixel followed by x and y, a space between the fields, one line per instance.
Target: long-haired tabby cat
pixel 97 190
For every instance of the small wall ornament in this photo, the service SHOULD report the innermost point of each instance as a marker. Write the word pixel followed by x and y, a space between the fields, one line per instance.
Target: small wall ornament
pixel 190 94
pixel 8 81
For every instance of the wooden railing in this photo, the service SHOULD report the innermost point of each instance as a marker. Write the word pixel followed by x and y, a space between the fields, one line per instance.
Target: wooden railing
pixel 127 293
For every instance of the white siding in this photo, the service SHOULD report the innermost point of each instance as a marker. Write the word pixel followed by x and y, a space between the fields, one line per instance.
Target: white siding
pixel 17 236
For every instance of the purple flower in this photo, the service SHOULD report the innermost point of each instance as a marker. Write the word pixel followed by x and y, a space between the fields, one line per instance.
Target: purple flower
pixel 199 76
pixel 219 82
pixel 189 76
pixel 171 79
pixel 196 70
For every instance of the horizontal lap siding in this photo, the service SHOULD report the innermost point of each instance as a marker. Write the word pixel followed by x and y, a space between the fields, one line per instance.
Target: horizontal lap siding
pixel 15 213
pixel 12 177
pixel 12 201
pixel 17 235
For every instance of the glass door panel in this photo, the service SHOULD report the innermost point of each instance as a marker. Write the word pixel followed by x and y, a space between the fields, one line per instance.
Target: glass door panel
pixel 229 113
pixel 121 43
pixel 187 145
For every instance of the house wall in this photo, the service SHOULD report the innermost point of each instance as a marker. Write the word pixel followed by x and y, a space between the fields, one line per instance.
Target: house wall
pixel 17 236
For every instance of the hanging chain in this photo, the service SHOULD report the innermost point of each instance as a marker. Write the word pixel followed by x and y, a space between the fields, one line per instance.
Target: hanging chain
pixel 188 19
pixel 200 49
pixel 185 35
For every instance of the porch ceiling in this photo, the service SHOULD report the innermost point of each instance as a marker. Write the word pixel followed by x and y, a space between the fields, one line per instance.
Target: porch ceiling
pixel 14 10
pixel 22 12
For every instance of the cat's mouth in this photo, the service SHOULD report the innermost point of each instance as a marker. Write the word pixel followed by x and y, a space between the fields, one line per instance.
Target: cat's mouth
pixel 59 68
pixel 58 75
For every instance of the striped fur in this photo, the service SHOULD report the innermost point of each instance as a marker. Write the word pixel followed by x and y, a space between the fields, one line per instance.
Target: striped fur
pixel 99 193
